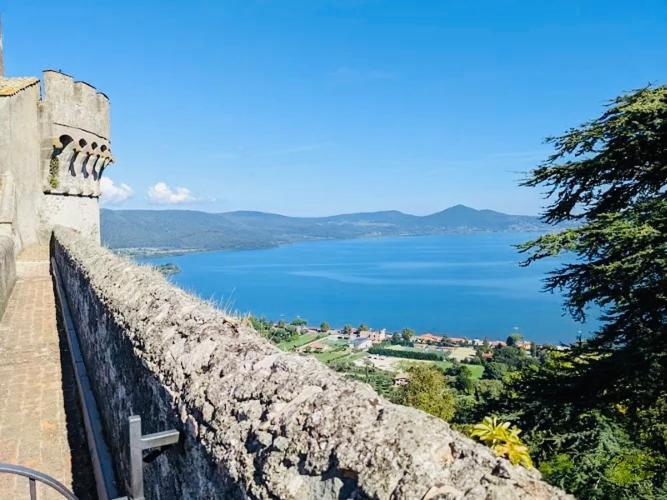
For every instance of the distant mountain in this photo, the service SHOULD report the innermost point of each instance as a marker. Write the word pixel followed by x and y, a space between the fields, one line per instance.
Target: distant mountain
pixel 171 231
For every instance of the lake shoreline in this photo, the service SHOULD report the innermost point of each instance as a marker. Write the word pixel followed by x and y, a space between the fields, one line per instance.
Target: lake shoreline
pixel 149 252
pixel 458 285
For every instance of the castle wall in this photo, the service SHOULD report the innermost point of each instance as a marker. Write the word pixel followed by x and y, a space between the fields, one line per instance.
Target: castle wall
pixel 75 151
pixel 7 271
pixel 53 152
pixel 79 212
pixel 255 422
pixel 75 104
pixel 20 164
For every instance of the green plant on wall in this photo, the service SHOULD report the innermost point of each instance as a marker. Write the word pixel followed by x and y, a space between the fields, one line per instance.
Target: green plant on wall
pixel 503 440
pixel 54 170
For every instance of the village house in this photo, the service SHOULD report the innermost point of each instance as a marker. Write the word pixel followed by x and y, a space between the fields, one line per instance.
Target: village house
pixel 428 338
pixel 523 344
pixel 361 343
pixel 375 336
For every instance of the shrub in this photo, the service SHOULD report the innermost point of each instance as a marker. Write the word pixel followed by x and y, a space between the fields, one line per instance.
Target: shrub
pixel 428 392
pixel 427 356
pixel 503 440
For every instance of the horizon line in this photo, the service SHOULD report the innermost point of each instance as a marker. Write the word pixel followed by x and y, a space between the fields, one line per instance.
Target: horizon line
pixel 370 212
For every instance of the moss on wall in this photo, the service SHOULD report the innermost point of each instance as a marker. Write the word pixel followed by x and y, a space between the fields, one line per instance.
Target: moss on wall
pixel 54 171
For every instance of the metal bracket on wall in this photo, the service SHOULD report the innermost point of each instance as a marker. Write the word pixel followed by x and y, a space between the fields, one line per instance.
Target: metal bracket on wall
pixel 139 443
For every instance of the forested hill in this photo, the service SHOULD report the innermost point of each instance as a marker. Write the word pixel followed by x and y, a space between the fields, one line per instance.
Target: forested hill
pixel 185 230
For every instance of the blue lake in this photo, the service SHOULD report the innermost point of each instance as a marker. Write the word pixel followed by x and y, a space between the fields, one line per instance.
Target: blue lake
pixel 468 285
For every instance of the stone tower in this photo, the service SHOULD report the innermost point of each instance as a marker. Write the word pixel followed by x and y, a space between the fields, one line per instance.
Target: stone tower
pixel 2 60
pixel 54 147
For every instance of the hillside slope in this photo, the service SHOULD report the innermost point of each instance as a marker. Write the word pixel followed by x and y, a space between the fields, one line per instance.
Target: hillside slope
pixel 186 230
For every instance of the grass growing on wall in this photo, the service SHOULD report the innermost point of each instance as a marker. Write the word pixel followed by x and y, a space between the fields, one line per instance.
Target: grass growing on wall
pixel 54 171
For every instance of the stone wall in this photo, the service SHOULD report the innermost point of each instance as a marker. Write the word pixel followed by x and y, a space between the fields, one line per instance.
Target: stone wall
pixel 20 161
pixel 7 271
pixel 256 422
pixel 75 135
pixel 61 210
pixel 54 149
pixel 75 104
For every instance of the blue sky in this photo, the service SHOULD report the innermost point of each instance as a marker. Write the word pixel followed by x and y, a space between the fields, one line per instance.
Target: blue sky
pixel 320 107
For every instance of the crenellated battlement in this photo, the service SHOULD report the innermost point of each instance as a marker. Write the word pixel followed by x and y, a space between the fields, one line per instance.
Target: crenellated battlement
pixel 55 144
pixel 75 136
pixel 75 104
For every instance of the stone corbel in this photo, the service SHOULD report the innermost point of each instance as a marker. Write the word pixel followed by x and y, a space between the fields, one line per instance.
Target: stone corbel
pixel 91 182
pixel 75 167
pixel 107 160
pixel 86 165
pixel 72 182
pixel 96 165
pixel 76 164
pixel 60 157
pixel 67 155
pixel 100 164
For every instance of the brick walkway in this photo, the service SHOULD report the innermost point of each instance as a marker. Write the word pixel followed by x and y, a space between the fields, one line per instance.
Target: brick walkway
pixel 40 422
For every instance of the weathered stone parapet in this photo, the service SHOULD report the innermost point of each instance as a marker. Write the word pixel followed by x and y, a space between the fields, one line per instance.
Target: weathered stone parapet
pixel 7 271
pixel 257 422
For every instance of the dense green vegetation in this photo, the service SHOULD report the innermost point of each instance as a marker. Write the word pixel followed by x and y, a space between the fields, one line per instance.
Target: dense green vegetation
pixel 381 380
pixel 596 416
pixel 405 353
pixel 285 335
pixel 427 391
pixel 476 371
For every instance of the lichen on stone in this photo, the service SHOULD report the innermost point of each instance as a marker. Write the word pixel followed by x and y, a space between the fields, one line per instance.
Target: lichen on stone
pixel 54 171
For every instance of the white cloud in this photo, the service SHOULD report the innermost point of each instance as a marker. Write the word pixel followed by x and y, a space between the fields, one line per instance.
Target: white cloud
pixel 161 193
pixel 113 194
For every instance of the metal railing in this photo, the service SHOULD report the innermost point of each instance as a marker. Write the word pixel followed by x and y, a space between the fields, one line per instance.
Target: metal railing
pixel 34 476
pixel 140 442
pixel 107 489
pixel 100 456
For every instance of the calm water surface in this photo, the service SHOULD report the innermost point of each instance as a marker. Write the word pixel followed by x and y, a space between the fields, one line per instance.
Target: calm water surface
pixel 456 284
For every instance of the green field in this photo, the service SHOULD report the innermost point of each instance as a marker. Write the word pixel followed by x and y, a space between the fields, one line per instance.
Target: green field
pixel 338 355
pixel 299 341
pixel 397 347
pixel 326 357
pixel 477 370
pixel 334 342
